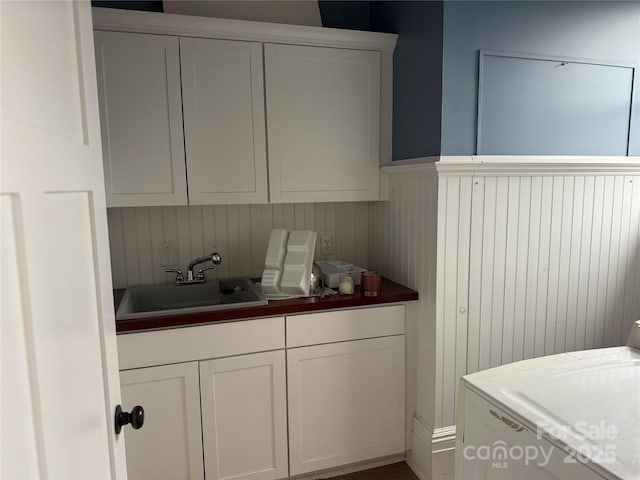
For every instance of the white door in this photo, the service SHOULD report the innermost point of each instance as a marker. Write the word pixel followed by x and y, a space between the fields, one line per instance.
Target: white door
pixel 170 444
pixel 59 363
pixel 244 417
pixel 225 138
pixel 346 402
pixel 141 116
pixel 323 123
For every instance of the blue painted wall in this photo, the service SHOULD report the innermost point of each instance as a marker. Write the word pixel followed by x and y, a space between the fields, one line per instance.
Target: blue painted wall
pixel 417 65
pixel 417 74
pixel 607 31
pixel 352 15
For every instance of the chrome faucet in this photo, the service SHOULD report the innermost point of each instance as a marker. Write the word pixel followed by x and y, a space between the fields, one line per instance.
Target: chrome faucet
pixel 215 258
pixel 200 277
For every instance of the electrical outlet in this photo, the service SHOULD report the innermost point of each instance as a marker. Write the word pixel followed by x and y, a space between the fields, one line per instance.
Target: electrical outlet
pixel 326 244
pixel 168 255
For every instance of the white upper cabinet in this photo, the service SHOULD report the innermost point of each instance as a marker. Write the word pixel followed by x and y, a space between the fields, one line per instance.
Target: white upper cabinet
pixel 323 122
pixel 224 124
pixel 272 113
pixel 141 117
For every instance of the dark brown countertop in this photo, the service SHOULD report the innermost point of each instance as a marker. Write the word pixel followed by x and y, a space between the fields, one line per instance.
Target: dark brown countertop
pixel 391 293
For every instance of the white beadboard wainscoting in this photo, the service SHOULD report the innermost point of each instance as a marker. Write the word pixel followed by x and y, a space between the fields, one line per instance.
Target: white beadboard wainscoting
pixel 402 246
pixel 534 256
pixel 240 233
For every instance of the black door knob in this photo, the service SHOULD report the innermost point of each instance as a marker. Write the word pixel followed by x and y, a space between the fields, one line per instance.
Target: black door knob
pixel 135 418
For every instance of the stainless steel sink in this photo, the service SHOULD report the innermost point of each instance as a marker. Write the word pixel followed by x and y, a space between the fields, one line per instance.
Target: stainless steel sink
pixel 162 300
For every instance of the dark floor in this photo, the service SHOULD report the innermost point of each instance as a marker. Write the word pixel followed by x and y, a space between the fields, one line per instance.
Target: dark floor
pixel 396 471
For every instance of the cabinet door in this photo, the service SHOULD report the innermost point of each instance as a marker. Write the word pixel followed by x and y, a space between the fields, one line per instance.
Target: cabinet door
pixel 223 97
pixel 323 121
pixel 346 402
pixel 244 416
pixel 169 445
pixel 141 119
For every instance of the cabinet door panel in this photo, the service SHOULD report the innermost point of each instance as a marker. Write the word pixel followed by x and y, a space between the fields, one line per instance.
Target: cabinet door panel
pixel 244 416
pixel 323 117
pixel 141 119
pixel 169 445
pixel 346 402
pixel 223 97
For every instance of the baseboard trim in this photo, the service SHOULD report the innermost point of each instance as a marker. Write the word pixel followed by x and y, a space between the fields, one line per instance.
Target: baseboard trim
pixel 443 447
pixel 444 439
pixel 431 455
pixel 354 467
pixel 419 457
pixel 421 430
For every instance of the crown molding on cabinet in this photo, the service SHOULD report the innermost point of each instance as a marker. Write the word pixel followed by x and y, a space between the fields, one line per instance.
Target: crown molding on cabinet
pixel 186 25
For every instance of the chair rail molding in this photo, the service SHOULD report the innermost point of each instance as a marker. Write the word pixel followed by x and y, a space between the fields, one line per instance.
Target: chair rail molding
pixel 392 166
pixel 536 165
pixel 422 166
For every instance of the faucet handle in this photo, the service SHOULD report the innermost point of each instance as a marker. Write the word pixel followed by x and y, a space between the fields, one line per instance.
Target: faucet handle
pixel 178 272
pixel 201 275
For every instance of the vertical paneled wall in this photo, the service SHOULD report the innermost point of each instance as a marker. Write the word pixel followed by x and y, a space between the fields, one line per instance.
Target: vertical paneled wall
pixel 402 246
pixel 454 223
pixel 565 271
pixel 509 267
pixel 531 266
pixel 239 232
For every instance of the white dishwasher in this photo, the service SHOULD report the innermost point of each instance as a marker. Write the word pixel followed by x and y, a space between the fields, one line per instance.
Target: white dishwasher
pixel 567 416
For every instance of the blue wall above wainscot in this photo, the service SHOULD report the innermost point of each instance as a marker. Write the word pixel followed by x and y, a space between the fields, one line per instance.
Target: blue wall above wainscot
pixel 417 74
pixel 417 65
pixel 349 14
pixel 604 31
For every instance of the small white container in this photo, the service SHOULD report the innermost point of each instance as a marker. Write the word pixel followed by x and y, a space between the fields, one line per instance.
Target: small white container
pixel 346 284
pixel 332 269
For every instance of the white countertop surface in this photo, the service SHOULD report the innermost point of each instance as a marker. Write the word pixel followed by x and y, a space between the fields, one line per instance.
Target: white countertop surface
pixel 588 401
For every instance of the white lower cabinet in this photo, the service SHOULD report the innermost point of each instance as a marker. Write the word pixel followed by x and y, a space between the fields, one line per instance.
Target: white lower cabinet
pixel 169 445
pixel 244 410
pixel 334 383
pixel 346 402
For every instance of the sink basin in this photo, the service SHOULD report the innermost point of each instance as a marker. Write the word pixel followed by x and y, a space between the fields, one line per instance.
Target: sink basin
pixel 162 300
